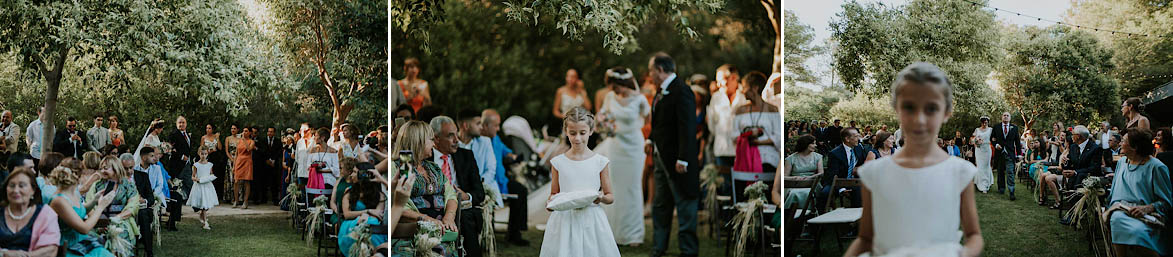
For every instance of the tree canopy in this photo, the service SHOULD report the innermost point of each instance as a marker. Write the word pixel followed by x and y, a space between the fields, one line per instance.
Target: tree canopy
pixel 1142 63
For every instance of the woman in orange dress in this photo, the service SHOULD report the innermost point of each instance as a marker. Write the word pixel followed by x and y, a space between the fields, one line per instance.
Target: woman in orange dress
pixel 243 168
pixel 415 89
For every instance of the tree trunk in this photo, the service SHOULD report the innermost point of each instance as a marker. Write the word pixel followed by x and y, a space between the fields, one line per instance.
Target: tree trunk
pixel 774 14
pixel 52 75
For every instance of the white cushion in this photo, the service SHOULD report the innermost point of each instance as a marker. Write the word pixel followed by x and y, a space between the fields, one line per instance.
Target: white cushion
pixel 572 200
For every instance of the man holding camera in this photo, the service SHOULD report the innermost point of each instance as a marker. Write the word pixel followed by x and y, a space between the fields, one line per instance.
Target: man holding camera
pixel 70 142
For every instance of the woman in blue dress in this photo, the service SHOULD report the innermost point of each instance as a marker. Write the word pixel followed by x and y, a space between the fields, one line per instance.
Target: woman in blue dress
pixel 1141 181
pixel 75 224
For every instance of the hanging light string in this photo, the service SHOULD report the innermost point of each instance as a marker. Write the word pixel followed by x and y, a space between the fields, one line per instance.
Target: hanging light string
pixel 1061 23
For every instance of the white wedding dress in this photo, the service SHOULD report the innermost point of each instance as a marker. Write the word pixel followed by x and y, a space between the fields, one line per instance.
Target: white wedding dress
pixel 583 231
pixel 985 176
pixel 626 151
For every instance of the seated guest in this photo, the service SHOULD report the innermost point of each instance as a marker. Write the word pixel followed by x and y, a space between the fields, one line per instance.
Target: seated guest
pixel 1142 183
pixel 346 167
pixel 74 217
pixel 49 161
pixel 116 178
pixel 1165 151
pixel 517 220
pixel 804 164
pixel 1083 159
pixel 1110 151
pixel 364 202
pixel 953 149
pixel 433 197
pixel 17 160
pixel 844 160
pixel 1036 161
pixel 461 164
pixel 143 186
pixel 38 233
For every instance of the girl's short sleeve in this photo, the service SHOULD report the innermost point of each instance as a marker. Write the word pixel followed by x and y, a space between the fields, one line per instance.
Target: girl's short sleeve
pixel 965 173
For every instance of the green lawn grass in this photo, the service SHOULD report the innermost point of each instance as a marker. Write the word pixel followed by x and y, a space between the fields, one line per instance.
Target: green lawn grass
pixel 1009 228
pixel 242 235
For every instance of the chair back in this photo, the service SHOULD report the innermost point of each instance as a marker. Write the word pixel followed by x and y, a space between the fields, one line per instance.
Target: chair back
pixel 750 177
pixel 836 184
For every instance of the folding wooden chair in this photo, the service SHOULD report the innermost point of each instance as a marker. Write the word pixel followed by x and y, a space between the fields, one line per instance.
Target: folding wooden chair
pixel 836 216
pixel 795 215
pixel 744 177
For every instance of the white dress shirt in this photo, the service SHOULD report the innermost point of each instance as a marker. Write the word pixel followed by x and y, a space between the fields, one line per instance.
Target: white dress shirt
pixel 1104 137
pixel 482 150
pixel 720 120
pixel 34 138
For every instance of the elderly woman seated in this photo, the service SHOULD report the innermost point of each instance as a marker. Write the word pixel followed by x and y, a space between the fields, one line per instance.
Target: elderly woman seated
pixel 1142 186
pixel 37 232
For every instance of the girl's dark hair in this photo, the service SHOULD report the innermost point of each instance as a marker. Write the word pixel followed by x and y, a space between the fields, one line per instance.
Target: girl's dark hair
pixel 803 142
pixel 366 190
pixel 32 183
pixel 620 71
pixel 755 81
pixel 1140 139
pixel 323 134
pixel 405 107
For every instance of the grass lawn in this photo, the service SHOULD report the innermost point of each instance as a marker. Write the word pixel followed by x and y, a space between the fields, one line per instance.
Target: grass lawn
pixel 1018 228
pixel 708 245
pixel 243 235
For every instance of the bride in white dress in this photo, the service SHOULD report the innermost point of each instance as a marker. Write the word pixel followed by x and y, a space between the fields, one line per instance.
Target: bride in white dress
pixel 627 108
pixel 982 155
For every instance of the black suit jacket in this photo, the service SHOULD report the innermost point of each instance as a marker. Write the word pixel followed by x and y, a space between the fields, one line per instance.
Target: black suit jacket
pixel 182 147
pixel 831 135
pixel 269 150
pixel 467 176
pixel 142 182
pixel 62 145
pixel 1011 145
pixel 674 133
pixel 837 164
pixel 1089 162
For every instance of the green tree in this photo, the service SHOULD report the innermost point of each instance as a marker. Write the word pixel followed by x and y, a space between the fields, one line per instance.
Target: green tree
pixel 1057 73
pixel 866 111
pixel 799 48
pixel 875 41
pixel 164 49
pixel 340 43
pixel 805 104
pixel 1142 62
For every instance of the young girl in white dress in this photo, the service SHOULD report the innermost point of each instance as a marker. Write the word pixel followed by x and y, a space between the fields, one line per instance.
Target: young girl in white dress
pixel 203 194
pixel 915 201
pixel 580 230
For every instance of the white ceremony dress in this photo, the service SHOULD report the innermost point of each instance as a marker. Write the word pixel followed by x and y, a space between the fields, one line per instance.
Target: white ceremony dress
pixel 626 151
pixel 203 195
pixel 583 231
pixel 985 175
pixel 916 208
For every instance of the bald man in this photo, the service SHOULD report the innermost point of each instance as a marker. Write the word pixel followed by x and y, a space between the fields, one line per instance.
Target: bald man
pixel 10 133
pixel 491 121
pixel 179 166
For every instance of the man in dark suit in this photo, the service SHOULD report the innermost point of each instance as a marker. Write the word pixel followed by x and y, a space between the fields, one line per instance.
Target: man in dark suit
pixel 833 133
pixel 677 171
pixel 1007 147
pixel 844 161
pixel 462 164
pixel 179 166
pixel 146 215
pixel 1111 151
pixel 267 179
pixel 1084 157
pixel 70 142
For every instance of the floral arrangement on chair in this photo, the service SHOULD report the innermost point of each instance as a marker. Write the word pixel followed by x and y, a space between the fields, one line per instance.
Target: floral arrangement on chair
pixel 114 242
pixel 155 210
pixel 710 181
pixel 426 238
pixel 486 236
pixel 362 239
pixel 747 221
pixel 291 193
pixel 316 217
pixel 1093 188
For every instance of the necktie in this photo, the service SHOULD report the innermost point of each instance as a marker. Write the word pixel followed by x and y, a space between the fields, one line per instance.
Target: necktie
pixel 1005 130
pixel 447 169
pixel 850 163
pixel 185 138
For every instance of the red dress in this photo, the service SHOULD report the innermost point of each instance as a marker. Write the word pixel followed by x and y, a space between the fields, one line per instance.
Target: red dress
pixel 243 165
pixel 416 102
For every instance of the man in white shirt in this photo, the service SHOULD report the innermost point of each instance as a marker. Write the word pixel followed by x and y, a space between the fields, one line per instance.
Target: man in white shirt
pixel 1105 135
pixel 99 137
pixel 34 135
pixel 720 116
pixel 9 133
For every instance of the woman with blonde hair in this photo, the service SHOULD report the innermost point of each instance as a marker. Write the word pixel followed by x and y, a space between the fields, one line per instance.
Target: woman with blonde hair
pixel 433 199
pixel 75 217
pixel 126 203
